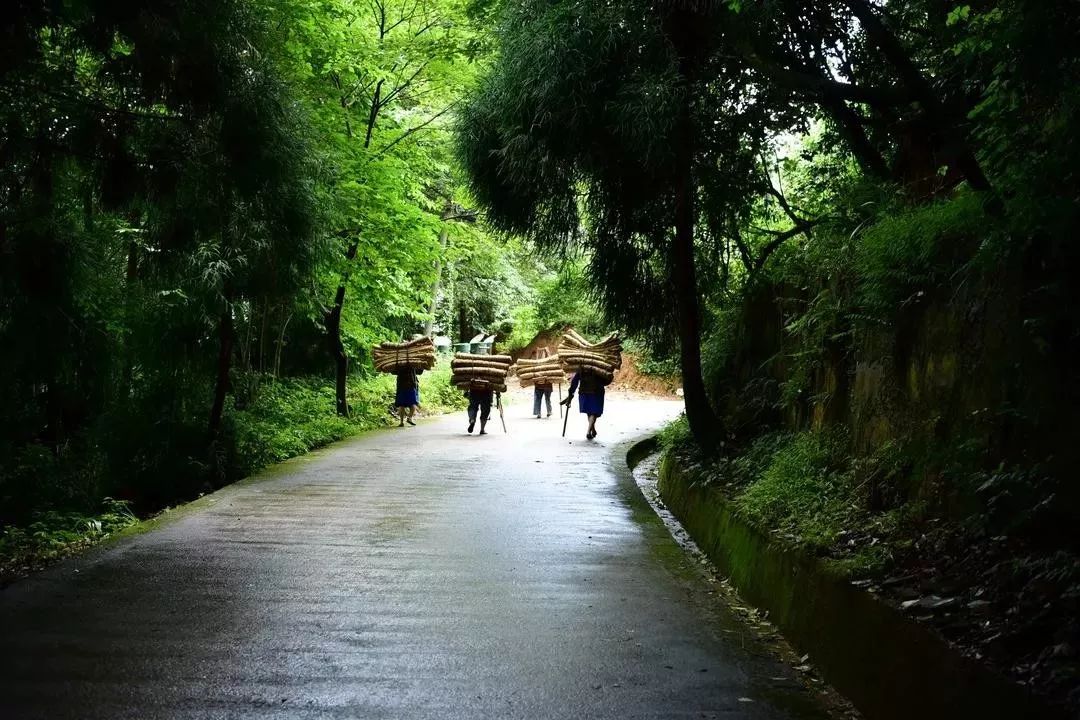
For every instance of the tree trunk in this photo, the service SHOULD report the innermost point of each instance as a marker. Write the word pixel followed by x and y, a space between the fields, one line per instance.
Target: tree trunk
pixel 683 29
pixel 281 344
pixel 341 369
pixel 244 351
pixel 225 349
pixel 333 336
pixel 704 423
pixel 262 337
pixel 130 275
pixel 464 331
pixel 436 287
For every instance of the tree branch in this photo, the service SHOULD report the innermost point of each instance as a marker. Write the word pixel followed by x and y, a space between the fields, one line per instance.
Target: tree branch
pixel 894 51
pixel 742 39
pixel 403 86
pixel 781 238
pixel 744 251
pixel 427 27
pixel 782 201
pixel 412 130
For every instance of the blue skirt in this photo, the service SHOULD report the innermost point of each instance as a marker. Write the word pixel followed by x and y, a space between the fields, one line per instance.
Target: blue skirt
pixel 407 398
pixel 591 403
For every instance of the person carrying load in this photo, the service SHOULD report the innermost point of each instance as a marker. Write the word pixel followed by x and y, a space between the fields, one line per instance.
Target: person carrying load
pixel 483 378
pixel 590 399
pixel 405 361
pixel 407 398
pixel 480 395
pixel 593 366
pixel 542 389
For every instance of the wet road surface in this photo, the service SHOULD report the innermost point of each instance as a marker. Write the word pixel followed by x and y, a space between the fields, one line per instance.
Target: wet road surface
pixel 414 573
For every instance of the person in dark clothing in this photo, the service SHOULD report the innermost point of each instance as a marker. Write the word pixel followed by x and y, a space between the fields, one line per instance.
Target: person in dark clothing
pixel 480 397
pixel 407 398
pixel 591 400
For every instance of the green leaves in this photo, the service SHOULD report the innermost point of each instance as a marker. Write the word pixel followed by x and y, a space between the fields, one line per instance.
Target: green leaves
pixel 958 15
pixel 379 79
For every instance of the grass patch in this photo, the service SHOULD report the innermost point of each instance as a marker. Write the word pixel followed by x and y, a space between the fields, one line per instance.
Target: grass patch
pixel 903 255
pixel 676 434
pixel 53 535
pixel 805 489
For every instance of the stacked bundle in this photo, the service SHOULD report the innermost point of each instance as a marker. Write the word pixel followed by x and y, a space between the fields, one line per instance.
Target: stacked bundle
pixel 545 371
pixel 487 370
pixel 577 354
pixel 418 354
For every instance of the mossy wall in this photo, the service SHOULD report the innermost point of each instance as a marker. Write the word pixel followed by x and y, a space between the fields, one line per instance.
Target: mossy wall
pixel 956 368
pixel 890 667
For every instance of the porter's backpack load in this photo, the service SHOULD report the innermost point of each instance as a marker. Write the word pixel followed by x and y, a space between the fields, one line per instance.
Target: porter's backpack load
pixel 485 370
pixel 576 354
pixel 417 354
pixel 544 371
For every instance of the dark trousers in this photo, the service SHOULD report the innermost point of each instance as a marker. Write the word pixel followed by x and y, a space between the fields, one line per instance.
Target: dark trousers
pixel 480 400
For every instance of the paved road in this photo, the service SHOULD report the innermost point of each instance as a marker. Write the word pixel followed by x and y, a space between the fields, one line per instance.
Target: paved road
pixel 415 573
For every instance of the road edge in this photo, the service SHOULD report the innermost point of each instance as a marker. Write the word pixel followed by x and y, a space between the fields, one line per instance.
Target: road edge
pixel 890 667
pixel 163 518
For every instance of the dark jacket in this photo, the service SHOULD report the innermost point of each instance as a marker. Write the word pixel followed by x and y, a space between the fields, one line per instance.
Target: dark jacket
pixel 586 383
pixel 407 380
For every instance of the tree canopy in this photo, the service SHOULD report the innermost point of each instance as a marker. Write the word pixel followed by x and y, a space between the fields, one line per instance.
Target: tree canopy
pixel 650 131
pixel 198 198
pixel 857 218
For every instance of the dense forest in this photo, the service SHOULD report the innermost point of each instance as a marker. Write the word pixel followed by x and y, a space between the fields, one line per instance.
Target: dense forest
pixel 849 225
pixel 209 212
pixel 857 221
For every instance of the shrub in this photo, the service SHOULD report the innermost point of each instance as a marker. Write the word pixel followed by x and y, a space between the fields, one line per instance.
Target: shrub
pixel 52 535
pixel 664 367
pixel 437 395
pixel 676 434
pixel 902 255
pixel 287 418
pixel 292 416
pixel 806 489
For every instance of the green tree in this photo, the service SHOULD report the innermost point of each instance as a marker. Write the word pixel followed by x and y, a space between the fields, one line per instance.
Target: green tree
pixel 381 80
pixel 134 199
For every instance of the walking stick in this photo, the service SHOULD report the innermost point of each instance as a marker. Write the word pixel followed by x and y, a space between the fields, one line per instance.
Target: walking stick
pixel 560 401
pixel 566 418
pixel 498 401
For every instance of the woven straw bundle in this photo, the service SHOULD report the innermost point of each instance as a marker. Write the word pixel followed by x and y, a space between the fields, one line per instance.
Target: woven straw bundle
pixel 417 354
pixel 545 371
pixel 576 354
pixel 485 370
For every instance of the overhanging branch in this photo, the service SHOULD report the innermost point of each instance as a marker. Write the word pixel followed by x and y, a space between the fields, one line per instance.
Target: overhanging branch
pixel 413 130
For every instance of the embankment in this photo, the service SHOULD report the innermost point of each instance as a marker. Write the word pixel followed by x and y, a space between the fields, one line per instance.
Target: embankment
pixel 889 666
